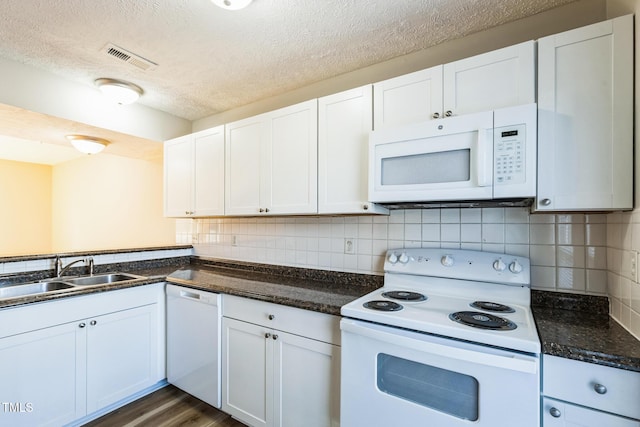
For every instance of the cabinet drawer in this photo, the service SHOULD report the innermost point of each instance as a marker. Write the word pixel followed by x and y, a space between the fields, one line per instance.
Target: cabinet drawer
pixel 310 324
pixel 580 382
pixel 561 414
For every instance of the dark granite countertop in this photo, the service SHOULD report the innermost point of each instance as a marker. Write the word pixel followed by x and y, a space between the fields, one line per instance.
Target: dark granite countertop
pixel 579 327
pixel 317 290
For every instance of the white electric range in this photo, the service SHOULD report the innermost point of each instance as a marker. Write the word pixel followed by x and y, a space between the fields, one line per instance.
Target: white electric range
pixel 448 340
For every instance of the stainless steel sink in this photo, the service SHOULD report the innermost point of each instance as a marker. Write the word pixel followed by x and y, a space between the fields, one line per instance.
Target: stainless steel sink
pixel 15 291
pixel 63 284
pixel 102 279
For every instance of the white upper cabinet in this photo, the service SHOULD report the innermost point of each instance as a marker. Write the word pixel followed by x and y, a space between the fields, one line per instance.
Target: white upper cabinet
pixel 409 98
pixel 496 79
pixel 194 174
pixel 272 162
pixel 492 80
pixel 344 123
pixel 585 118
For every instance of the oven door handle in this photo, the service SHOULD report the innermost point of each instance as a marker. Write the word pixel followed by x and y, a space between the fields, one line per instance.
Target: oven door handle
pixel 419 342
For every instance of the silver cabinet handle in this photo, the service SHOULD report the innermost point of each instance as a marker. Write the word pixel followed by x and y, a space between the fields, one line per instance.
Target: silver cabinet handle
pixel 599 388
pixel 82 325
pixel 448 113
pixel 435 115
pixel 545 202
pixel 93 322
pixel 267 335
pixel 275 337
pixel 365 207
pixel 271 317
pixel 555 412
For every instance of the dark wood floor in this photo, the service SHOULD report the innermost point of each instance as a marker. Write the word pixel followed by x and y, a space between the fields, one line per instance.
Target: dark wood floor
pixel 167 407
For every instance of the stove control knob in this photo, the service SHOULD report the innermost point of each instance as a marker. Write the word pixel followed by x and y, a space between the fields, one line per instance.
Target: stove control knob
pixel 499 265
pixel 393 258
pixel 403 258
pixel 447 260
pixel 515 267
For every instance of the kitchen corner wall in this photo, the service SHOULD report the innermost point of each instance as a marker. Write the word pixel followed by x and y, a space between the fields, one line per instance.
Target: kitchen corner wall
pixel 623 242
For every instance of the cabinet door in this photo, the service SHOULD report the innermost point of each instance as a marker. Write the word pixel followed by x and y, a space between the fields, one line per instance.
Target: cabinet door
pixel 247 372
pixel 290 179
pixel 585 118
pixel 243 143
pixel 178 177
pixel 209 172
pixel 410 98
pixel 496 79
pixel 42 380
pixel 344 123
pixel 122 355
pixel 556 413
pixel 307 382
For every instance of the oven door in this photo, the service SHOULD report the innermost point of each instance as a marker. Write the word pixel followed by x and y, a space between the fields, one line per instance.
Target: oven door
pixel 449 159
pixel 396 377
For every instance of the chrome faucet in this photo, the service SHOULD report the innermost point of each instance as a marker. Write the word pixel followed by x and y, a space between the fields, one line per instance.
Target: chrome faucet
pixel 59 269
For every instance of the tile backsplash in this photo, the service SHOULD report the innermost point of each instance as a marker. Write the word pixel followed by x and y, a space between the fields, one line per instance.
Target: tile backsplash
pixel 568 252
pixel 595 254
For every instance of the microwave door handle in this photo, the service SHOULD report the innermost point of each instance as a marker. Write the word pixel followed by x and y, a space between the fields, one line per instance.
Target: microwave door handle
pixel 483 167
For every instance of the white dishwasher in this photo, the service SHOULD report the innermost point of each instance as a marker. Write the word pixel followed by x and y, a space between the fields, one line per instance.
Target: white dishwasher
pixel 193 342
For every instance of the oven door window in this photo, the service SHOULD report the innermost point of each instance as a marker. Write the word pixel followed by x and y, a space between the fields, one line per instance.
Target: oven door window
pixel 445 391
pixel 428 168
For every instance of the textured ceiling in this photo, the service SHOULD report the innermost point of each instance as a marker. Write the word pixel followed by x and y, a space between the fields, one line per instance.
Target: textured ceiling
pixel 211 60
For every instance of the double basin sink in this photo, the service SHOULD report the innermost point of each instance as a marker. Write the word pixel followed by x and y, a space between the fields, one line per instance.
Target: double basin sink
pixel 63 284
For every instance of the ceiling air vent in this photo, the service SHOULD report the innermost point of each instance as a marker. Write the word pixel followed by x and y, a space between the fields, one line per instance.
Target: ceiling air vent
pixel 129 57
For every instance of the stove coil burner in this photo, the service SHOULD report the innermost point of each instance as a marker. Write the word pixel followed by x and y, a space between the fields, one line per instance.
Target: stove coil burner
pixel 381 305
pixel 482 320
pixel 404 296
pixel 492 306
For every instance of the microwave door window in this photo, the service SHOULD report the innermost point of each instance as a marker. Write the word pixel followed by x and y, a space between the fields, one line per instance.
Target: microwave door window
pixel 427 168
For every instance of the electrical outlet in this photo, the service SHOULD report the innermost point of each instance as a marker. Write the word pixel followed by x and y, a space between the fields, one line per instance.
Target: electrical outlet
pixel 234 240
pixel 634 266
pixel 349 246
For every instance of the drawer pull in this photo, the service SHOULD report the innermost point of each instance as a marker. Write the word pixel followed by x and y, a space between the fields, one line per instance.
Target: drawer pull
pixel 267 335
pixel 599 388
pixel 271 317
pixel 555 412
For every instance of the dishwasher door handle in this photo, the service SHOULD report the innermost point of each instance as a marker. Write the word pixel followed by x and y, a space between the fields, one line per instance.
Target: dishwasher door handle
pixel 189 295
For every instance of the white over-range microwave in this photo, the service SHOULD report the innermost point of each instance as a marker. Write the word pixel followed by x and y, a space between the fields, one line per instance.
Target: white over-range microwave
pixel 482 156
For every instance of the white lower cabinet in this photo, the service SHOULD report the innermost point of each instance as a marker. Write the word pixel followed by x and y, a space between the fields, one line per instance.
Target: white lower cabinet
pixel 580 394
pixel 274 375
pixel 60 363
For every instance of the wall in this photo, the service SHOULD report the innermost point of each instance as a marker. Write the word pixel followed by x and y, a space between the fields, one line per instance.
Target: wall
pixel 623 229
pixel 25 216
pixel 571 253
pixel 109 202
pixel 568 252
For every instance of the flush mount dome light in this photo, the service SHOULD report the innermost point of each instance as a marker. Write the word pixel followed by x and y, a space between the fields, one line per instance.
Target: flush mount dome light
pixel 232 4
pixel 87 144
pixel 119 91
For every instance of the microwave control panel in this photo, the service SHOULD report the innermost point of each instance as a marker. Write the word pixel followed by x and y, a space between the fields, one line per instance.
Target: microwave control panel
pixel 509 155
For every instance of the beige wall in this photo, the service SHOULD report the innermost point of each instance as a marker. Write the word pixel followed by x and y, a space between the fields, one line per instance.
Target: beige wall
pixel 108 202
pixel 25 208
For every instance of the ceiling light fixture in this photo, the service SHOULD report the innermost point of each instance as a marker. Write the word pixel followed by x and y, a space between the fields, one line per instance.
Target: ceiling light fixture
pixel 119 91
pixel 87 144
pixel 232 4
